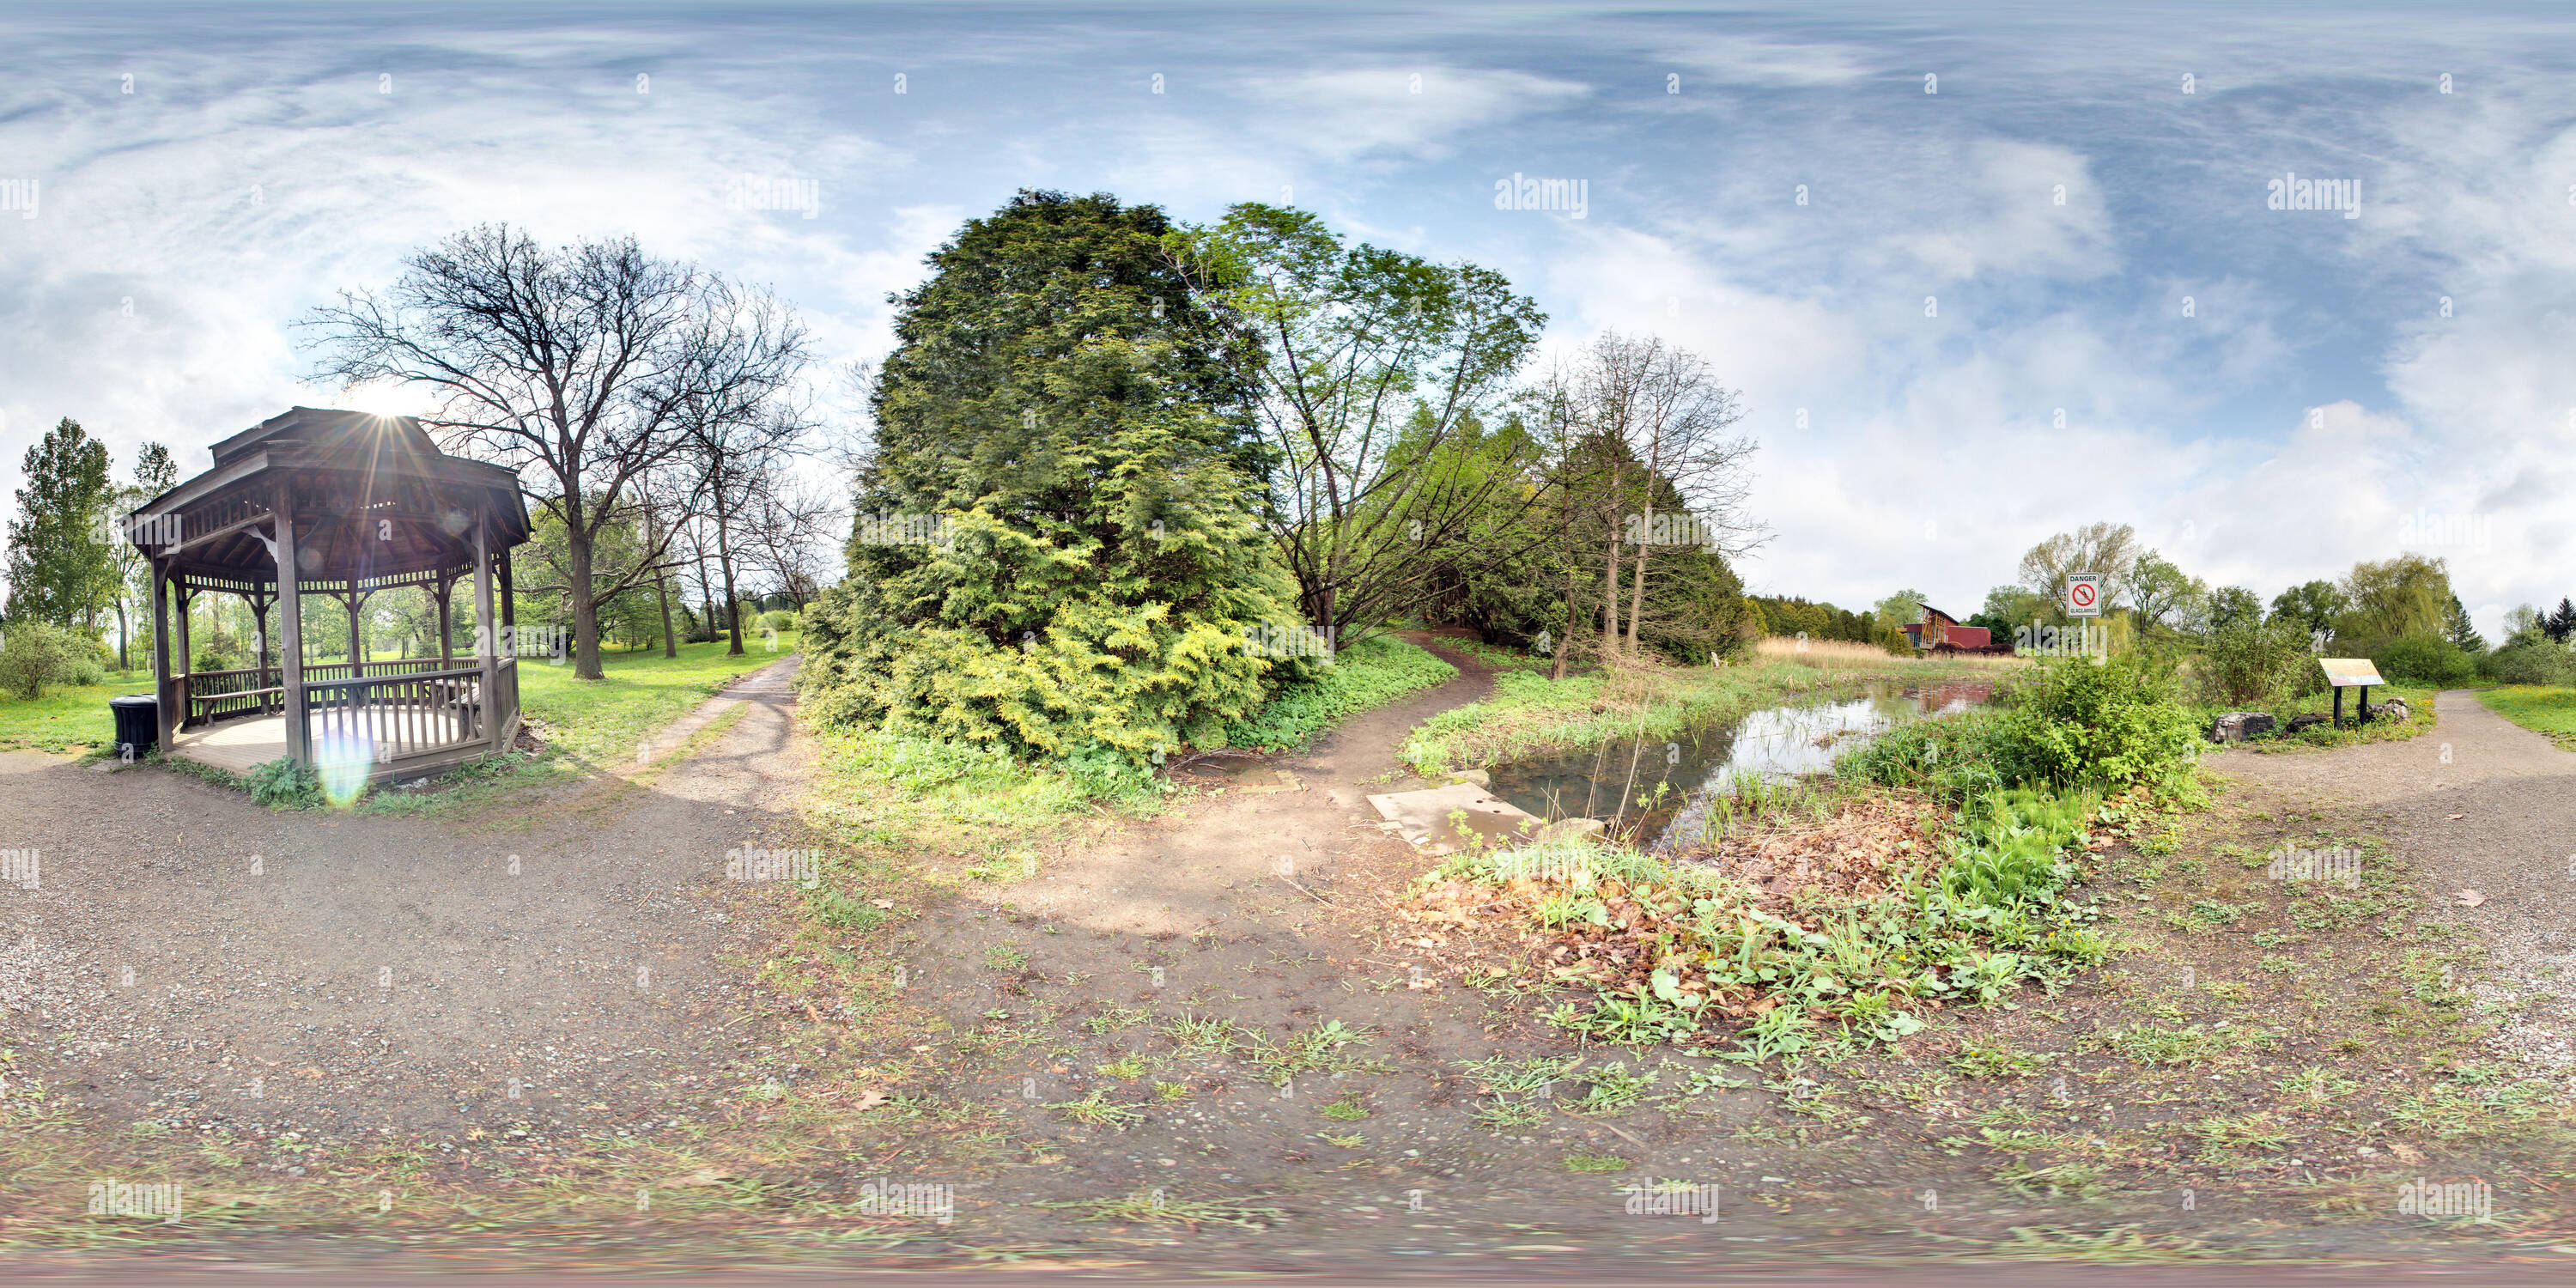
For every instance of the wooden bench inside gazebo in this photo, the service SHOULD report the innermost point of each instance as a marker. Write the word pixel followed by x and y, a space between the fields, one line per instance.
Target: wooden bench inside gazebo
pixel 356 504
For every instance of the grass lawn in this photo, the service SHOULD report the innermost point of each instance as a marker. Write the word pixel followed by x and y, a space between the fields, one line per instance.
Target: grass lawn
pixel 602 721
pixel 68 719
pixel 2547 709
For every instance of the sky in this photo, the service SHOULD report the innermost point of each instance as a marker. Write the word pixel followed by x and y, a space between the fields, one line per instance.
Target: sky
pixel 1979 276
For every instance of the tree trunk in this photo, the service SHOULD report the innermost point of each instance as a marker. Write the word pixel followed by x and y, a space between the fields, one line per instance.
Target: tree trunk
pixel 724 563
pixel 1610 593
pixel 1610 573
pixel 585 611
pixel 1637 580
pixel 662 590
pixel 124 661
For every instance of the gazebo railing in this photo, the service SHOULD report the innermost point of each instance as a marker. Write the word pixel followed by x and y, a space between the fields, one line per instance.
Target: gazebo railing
pixel 217 695
pixel 395 717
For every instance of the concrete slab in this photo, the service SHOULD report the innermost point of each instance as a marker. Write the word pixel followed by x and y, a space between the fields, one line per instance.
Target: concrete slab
pixel 1424 817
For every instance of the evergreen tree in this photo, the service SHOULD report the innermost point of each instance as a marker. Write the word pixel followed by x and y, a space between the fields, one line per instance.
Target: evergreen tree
pixel 61 568
pixel 1055 552
pixel 2462 634
pixel 2561 622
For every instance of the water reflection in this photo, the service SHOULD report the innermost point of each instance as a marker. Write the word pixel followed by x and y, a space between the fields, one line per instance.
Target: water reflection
pixel 1607 782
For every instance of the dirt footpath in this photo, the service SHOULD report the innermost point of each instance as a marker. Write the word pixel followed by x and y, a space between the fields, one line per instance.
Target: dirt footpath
pixel 2481 807
pixel 192 958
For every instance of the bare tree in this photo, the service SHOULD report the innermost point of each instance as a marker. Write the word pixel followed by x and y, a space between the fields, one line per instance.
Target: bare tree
pixel 788 533
pixel 1676 431
pixel 1640 452
pixel 2107 549
pixel 583 366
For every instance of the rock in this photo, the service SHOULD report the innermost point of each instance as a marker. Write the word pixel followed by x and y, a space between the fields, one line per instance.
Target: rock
pixel 2237 726
pixel 2307 720
pixel 1477 776
pixel 1425 816
pixel 2392 709
pixel 1565 827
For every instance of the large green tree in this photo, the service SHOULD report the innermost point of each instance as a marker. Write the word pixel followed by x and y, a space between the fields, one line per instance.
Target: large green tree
pixel 1055 550
pixel 2406 595
pixel 2315 606
pixel 62 569
pixel 1363 363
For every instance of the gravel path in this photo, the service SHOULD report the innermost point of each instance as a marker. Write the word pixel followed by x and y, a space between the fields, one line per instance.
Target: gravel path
pixel 2478 804
pixel 192 958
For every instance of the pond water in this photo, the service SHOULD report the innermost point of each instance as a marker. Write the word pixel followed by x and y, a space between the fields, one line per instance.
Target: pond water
pixel 1608 781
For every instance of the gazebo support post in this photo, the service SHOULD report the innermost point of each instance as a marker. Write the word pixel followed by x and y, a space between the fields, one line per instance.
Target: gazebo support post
pixel 259 643
pixel 357 646
pixel 162 694
pixel 290 630
pixel 487 633
pixel 183 664
pixel 446 633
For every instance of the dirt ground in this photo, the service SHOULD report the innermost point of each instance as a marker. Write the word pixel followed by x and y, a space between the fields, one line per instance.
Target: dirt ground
pixel 2486 811
pixel 1042 1074
pixel 189 958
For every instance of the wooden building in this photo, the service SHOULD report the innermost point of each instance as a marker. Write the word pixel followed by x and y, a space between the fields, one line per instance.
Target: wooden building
pixel 354 504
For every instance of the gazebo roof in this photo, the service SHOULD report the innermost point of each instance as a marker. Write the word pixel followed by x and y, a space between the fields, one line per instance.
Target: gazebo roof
pixel 373 498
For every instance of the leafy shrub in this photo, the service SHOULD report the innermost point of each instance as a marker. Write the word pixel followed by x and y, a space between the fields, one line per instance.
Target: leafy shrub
pixel 2114 724
pixel 2074 724
pixel 283 784
pixel 1365 675
pixel 2536 663
pixel 2248 661
pixel 2424 661
pixel 33 655
pixel 2007 849
pixel 778 619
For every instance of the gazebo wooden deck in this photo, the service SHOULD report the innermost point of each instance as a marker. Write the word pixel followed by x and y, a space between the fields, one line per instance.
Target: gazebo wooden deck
pixel 356 504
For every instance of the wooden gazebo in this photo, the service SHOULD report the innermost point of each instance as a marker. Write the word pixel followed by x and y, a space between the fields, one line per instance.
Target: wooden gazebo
pixel 355 504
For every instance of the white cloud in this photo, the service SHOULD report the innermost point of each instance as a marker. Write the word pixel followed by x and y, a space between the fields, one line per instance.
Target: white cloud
pixel 1412 111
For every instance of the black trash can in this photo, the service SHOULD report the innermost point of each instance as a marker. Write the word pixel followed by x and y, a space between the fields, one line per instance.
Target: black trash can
pixel 138 722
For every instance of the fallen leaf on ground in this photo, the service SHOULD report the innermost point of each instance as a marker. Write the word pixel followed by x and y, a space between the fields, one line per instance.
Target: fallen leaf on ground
pixel 871 1098
pixel 2470 898
pixel 2455 816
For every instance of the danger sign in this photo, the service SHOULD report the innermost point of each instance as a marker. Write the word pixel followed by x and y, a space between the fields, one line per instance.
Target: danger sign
pixel 2084 594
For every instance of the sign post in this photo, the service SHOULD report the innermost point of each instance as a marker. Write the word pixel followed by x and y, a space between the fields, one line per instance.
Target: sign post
pixel 2350 673
pixel 2084 594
